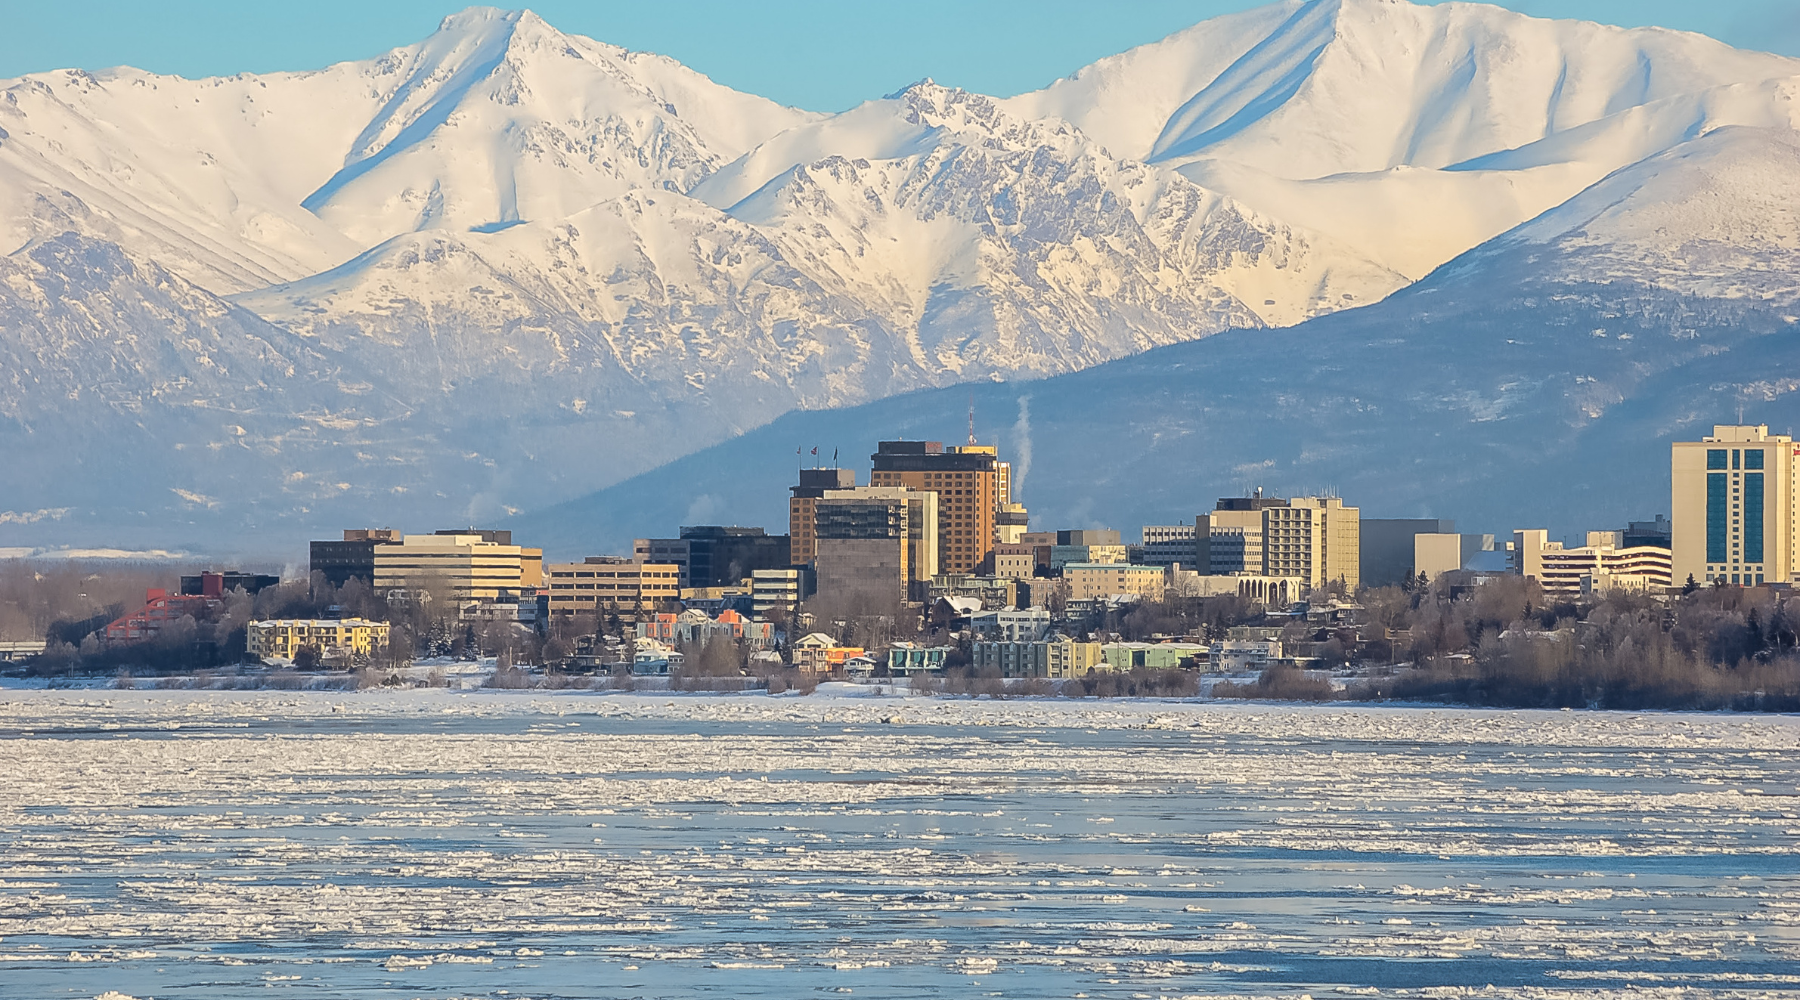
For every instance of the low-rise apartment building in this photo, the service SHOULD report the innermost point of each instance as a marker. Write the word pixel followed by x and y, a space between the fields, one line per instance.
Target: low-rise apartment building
pixel 1153 655
pixel 283 638
pixel 1055 657
pixel 1238 655
pixel 1028 625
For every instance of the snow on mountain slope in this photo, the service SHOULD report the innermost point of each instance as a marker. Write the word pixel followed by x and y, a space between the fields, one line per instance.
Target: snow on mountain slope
pixel 503 119
pixel 242 181
pixel 991 247
pixel 1717 217
pixel 1443 98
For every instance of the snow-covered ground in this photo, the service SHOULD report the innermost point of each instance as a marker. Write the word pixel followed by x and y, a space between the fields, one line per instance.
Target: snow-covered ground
pixel 451 843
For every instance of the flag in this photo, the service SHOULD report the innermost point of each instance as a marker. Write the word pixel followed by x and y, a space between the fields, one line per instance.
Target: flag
pixel 815 450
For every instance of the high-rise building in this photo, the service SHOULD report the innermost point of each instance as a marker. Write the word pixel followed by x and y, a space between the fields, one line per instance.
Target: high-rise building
pixel 802 536
pixel 877 546
pixel 1316 540
pixel 1732 495
pixel 972 485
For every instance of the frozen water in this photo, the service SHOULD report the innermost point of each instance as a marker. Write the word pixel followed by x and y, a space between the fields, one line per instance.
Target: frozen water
pixel 438 844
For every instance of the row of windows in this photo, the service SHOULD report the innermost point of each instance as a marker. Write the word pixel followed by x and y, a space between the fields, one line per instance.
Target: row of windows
pixel 1748 458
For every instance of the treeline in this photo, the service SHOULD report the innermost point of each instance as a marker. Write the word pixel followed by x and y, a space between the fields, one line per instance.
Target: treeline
pixel 1712 648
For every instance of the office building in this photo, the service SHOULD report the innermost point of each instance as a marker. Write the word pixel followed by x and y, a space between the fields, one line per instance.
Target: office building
pixel 876 546
pixel 613 585
pixel 1387 549
pixel 1091 545
pixel 1230 538
pixel 470 566
pixel 972 485
pixel 1171 545
pixel 531 561
pixel 1732 497
pixel 284 638
pixel 353 558
pixel 803 543
pixel 1658 533
pixel 1094 581
pixel 1272 591
pixel 1436 553
pixel 716 555
pixel 219 584
pixel 1591 569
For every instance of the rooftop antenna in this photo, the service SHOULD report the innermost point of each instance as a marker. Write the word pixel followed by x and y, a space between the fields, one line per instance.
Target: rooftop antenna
pixel 972 418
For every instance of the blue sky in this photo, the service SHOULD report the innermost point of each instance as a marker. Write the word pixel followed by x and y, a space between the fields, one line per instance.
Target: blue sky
pixel 812 53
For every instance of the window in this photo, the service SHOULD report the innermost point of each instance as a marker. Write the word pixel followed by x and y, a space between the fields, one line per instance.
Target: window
pixel 1753 458
pixel 1717 516
pixel 1715 458
pixel 1753 516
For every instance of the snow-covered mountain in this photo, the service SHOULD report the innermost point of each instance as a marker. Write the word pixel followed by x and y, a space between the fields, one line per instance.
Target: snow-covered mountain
pixel 505 267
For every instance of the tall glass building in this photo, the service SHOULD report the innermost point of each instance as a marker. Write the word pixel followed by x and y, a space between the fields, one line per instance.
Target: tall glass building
pixel 1732 494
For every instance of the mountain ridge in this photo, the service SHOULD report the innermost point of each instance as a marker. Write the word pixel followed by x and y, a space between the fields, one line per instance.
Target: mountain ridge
pixel 471 259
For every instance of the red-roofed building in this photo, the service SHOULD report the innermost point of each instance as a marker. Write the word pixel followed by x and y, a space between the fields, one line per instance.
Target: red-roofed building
pixel 160 608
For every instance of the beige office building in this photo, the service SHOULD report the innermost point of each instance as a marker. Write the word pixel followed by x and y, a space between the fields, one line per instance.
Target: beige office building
pixel 613 585
pixel 459 567
pixel 1091 581
pixel 1436 553
pixel 1733 508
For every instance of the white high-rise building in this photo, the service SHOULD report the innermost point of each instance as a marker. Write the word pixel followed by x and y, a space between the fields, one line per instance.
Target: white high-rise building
pixel 1732 497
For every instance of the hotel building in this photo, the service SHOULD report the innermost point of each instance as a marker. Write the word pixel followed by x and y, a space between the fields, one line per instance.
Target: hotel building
pixel 1733 515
